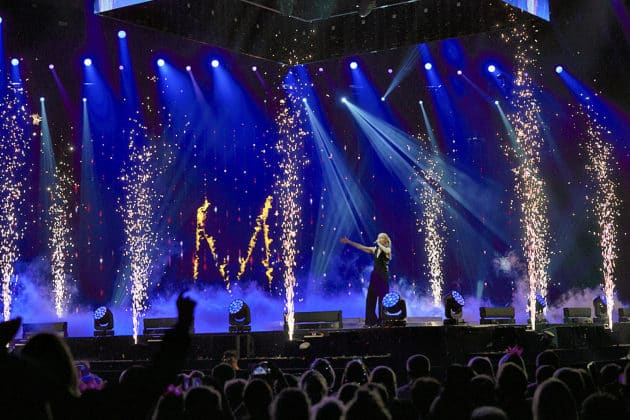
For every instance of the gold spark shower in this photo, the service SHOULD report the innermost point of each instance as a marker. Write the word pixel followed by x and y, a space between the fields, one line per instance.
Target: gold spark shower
pixel 14 148
pixel 139 175
pixel 59 241
pixel 606 204
pixel 432 222
pixel 261 224
pixel 289 190
pixel 530 187
pixel 201 235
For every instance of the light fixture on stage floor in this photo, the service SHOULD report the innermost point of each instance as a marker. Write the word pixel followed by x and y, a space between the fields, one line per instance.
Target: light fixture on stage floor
pixel 453 308
pixel 624 314
pixel 393 310
pixel 496 316
pixel 103 322
pixel 239 317
pixel 600 310
pixel 541 304
pixel 577 315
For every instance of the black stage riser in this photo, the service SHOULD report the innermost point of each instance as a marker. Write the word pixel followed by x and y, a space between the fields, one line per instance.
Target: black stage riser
pixel 444 345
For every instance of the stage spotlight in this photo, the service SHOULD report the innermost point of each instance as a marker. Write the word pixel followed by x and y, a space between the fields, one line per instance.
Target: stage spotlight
pixel 15 61
pixel 304 100
pixel 122 34
pixel 496 103
pixel 600 310
pixel 188 68
pixel 214 63
pixel 87 62
pixel 344 100
pixel 453 308
pixel 382 99
pixel 541 304
pixel 254 68
pixel 428 66
pixel 559 69
pixel 239 317
pixel 160 62
pixel 421 102
pixel 321 69
pixel 353 65
pixel 390 71
pixel 0 20
pixel 103 322
pixel 84 99
pixel 51 66
pixel 121 67
pixel 459 72
pixel 393 310
pixel 492 68
pixel 42 99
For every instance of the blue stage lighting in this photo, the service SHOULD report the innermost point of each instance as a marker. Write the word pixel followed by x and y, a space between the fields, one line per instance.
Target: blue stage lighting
pixel 87 62
pixel 421 102
pixel 453 308
pixel 496 103
pixel 161 62
pixel 390 71
pixel 254 68
pixel 51 66
pixel 540 301
pixel 188 68
pixel 459 72
pixel 492 68
pixel 122 34
pixel 84 99
pixel 42 99
pixel 382 99
pixel 239 317
pixel 0 20
pixel 304 100
pixel 214 63
pixel 321 69
pixel 236 306
pixel 121 67
pixel 353 65
pixel 391 299
pixel 344 100
pixel 428 66
pixel 103 322
pixel 15 61
pixel 393 310
pixel 559 69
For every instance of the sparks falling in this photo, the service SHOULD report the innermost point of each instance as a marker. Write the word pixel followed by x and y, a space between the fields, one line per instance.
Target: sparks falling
pixel 289 190
pixel 202 236
pixel 261 224
pixel 139 175
pixel 606 204
pixel 432 222
pixel 59 241
pixel 14 148
pixel 530 187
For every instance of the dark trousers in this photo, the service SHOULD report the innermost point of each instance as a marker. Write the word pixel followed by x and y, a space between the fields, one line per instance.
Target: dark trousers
pixel 377 289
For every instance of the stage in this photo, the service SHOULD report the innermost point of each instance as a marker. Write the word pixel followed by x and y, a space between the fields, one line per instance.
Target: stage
pixel 444 345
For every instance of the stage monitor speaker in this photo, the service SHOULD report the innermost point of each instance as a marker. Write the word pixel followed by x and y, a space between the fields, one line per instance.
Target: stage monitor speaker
pixel 156 327
pixel 319 320
pixel 577 316
pixel 488 315
pixel 624 314
pixel 59 328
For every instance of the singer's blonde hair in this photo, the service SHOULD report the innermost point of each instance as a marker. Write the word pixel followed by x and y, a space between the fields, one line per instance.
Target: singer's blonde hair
pixel 386 236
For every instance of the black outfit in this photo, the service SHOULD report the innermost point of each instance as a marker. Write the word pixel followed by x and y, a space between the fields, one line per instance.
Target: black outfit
pixel 378 288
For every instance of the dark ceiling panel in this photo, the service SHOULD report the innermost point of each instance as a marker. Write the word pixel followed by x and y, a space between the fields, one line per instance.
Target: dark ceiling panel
pixel 300 31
